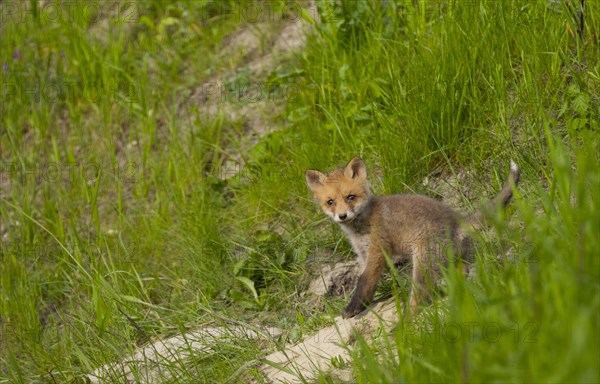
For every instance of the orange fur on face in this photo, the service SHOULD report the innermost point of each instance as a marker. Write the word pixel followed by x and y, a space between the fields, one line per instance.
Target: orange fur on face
pixel 343 193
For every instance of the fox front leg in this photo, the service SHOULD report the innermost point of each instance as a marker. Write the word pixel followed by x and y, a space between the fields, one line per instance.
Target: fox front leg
pixel 367 283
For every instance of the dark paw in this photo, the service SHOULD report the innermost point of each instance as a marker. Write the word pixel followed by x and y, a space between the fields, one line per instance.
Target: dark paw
pixel 352 310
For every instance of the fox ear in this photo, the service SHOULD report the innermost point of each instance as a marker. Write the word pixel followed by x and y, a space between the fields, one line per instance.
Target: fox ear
pixel 315 179
pixel 356 169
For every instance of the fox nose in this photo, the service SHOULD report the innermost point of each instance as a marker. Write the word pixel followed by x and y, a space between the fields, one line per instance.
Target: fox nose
pixel 343 216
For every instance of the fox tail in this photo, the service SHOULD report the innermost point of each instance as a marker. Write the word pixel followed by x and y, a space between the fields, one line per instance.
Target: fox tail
pixel 477 219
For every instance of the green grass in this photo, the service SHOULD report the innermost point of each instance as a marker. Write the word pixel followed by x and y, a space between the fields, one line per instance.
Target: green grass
pixel 116 227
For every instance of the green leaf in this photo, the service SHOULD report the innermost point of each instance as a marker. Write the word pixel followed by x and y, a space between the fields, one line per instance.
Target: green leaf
pixel 248 284
pixel 307 16
pixel 581 103
pixel 238 266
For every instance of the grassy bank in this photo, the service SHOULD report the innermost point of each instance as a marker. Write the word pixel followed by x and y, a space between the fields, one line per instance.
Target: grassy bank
pixel 128 210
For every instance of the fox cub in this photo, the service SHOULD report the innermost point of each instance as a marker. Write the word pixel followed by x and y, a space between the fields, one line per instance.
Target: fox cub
pixel 405 227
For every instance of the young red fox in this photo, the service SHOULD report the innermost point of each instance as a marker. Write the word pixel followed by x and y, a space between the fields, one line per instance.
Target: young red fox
pixel 404 227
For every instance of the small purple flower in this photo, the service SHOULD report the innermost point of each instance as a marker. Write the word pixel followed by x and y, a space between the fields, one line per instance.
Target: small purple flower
pixel 203 23
pixel 17 55
pixel 5 67
pixel 61 54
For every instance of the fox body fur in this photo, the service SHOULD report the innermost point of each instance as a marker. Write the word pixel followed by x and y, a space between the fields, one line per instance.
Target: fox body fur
pixel 407 228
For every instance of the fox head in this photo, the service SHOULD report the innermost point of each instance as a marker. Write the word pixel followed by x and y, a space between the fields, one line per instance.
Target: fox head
pixel 342 194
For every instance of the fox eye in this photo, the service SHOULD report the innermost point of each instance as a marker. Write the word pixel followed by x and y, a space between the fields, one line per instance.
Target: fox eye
pixel 351 197
pixel 330 202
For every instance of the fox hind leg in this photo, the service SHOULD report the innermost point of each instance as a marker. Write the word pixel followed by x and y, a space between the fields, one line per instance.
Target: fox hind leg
pixel 418 290
pixel 425 263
